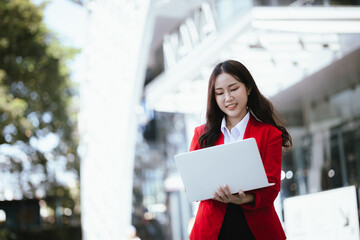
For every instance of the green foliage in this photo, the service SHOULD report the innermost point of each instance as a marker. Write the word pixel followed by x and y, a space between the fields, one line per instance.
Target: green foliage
pixel 36 96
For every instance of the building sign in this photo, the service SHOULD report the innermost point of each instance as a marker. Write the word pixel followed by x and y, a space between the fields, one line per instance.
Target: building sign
pixel 192 31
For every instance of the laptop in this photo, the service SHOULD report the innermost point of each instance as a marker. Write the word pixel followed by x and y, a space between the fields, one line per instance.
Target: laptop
pixel 236 164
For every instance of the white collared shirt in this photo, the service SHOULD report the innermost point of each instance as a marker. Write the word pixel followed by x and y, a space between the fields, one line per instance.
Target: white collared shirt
pixel 237 132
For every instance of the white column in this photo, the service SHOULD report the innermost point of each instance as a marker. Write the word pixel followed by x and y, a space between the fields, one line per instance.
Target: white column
pixel 117 52
pixel 317 161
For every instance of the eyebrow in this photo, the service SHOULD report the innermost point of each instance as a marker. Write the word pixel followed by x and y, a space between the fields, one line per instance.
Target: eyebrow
pixel 228 86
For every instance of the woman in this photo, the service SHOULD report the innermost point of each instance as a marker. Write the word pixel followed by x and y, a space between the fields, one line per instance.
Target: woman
pixel 237 110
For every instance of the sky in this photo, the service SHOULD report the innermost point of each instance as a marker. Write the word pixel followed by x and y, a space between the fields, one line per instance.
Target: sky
pixel 68 20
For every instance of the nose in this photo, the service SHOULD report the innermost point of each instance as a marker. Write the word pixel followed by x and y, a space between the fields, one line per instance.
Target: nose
pixel 227 96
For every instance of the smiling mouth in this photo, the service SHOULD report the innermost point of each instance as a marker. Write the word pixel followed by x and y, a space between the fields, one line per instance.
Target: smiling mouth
pixel 231 106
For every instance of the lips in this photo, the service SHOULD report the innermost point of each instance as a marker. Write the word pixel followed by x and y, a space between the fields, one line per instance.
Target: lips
pixel 231 106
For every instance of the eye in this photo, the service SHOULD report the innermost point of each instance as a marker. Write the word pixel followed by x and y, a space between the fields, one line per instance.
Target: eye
pixel 218 93
pixel 234 89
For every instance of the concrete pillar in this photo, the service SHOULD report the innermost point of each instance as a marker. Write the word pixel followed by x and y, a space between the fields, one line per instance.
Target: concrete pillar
pixel 317 161
pixel 117 51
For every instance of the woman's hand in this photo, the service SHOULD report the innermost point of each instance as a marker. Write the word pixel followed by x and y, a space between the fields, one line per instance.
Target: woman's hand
pixel 224 195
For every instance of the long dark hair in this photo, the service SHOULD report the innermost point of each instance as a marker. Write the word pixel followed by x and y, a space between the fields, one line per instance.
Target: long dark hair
pixel 259 106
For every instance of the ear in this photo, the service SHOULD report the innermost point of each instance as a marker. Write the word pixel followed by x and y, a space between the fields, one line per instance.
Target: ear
pixel 248 91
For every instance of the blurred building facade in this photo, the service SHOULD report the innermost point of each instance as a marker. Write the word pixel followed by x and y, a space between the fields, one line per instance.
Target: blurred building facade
pixel 304 57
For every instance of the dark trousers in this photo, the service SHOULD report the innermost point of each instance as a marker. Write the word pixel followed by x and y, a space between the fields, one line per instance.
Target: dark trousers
pixel 234 226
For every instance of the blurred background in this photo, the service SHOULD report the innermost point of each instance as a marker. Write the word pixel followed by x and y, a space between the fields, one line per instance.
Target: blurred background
pixel 97 96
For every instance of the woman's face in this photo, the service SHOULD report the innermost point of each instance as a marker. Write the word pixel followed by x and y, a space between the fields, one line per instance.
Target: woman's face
pixel 231 97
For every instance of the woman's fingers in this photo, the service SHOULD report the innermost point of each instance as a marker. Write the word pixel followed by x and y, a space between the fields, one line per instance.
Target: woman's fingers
pixel 224 195
pixel 227 190
pixel 221 195
pixel 216 196
pixel 222 192
pixel 242 194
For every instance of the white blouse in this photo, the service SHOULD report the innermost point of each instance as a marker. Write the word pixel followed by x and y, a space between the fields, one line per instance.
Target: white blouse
pixel 237 132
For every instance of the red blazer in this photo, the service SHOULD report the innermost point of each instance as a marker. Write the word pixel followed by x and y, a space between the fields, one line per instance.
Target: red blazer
pixel 260 215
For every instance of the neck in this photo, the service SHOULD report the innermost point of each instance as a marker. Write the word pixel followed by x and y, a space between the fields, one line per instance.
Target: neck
pixel 232 122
